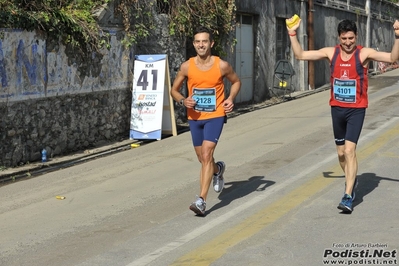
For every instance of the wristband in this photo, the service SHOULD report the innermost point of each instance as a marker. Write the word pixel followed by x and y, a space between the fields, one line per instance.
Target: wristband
pixel 294 34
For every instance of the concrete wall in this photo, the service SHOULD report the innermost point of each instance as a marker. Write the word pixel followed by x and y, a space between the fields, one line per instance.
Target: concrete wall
pixel 327 18
pixel 33 68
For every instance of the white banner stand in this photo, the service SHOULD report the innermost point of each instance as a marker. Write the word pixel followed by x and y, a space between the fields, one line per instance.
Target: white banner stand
pixel 152 112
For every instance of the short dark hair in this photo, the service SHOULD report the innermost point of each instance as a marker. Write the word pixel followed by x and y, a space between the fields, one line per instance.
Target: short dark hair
pixel 347 25
pixel 202 29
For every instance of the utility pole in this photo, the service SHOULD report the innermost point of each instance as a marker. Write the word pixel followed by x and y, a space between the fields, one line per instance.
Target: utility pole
pixel 310 30
pixel 368 13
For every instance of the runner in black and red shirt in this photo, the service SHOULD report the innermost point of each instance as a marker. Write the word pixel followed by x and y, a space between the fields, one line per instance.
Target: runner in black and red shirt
pixel 349 100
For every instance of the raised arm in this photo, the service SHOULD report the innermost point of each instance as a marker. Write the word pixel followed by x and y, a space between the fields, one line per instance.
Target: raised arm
pixel 391 57
pixel 300 54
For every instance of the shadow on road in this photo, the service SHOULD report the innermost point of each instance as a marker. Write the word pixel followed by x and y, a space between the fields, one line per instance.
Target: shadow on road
pixel 367 183
pixel 239 189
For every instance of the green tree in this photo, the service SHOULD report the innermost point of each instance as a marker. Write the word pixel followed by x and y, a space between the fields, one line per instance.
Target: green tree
pixel 73 21
pixel 185 15
pixel 67 20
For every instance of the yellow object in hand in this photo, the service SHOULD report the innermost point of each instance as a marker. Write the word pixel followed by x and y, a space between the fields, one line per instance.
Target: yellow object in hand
pixel 292 21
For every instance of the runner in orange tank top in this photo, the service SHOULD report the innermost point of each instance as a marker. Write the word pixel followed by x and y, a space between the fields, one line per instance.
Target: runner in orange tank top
pixel 206 109
pixel 349 81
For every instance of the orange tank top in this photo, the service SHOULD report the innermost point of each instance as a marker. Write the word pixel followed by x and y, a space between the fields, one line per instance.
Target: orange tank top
pixel 207 88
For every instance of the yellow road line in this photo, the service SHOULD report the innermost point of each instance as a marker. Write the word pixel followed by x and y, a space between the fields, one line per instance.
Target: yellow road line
pixel 213 250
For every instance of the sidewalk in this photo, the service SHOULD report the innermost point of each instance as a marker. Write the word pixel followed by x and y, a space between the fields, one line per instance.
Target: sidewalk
pixel 37 168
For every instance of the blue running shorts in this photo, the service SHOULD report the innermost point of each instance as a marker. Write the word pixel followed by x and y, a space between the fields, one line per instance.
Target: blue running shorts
pixel 208 129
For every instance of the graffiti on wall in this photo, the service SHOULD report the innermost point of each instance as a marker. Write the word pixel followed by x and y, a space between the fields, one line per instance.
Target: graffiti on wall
pixel 28 70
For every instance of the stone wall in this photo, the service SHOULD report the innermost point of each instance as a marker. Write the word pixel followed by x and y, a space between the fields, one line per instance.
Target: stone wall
pixel 62 124
pixel 51 97
pixel 54 98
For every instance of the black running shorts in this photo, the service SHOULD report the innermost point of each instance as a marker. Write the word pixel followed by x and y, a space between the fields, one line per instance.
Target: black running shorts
pixel 347 123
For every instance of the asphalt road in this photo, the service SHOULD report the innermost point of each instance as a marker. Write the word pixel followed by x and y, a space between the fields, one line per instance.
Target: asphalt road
pixel 283 184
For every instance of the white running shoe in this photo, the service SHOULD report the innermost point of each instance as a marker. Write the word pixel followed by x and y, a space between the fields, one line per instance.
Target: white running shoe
pixel 218 180
pixel 198 206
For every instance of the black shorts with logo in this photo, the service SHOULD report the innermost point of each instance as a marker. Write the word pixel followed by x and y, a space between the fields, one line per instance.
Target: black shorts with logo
pixel 347 123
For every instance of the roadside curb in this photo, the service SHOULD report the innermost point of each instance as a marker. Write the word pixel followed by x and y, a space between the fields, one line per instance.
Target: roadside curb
pixel 56 163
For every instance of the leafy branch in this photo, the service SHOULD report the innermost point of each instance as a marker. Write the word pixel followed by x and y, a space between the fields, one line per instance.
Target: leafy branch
pixel 73 21
pixel 66 20
pixel 218 15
